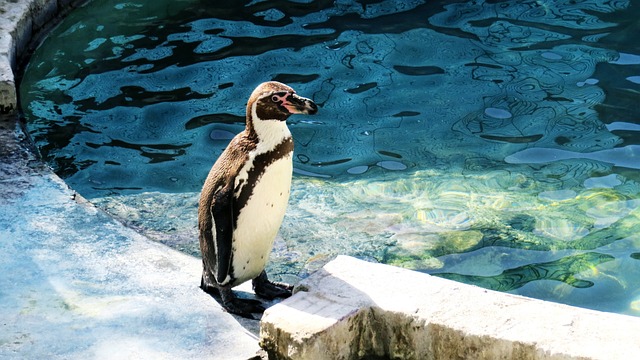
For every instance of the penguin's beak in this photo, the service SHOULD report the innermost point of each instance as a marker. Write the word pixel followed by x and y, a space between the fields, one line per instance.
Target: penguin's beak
pixel 298 105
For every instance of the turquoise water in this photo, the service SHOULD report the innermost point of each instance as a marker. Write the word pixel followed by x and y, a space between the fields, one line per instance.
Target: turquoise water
pixel 490 142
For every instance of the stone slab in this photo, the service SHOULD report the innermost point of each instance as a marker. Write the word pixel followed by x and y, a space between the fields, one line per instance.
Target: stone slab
pixel 353 309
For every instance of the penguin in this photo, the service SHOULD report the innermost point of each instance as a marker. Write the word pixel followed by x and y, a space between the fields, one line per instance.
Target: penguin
pixel 244 198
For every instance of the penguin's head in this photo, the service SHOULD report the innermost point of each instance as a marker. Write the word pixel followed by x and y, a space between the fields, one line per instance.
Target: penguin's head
pixel 276 101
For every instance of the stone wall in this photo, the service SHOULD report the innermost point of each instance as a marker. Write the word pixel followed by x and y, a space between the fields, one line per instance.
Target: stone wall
pixel 21 23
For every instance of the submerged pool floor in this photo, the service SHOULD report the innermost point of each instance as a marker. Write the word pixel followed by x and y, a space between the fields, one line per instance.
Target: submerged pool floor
pixel 493 143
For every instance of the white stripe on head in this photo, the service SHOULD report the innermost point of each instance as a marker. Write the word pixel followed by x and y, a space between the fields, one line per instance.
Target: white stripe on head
pixel 270 132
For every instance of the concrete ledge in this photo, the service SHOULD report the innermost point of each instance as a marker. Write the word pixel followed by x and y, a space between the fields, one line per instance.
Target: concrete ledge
pixel 352 309
pixel 20 22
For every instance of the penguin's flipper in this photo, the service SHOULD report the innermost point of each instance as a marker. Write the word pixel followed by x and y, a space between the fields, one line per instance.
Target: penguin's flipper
pixel 221 213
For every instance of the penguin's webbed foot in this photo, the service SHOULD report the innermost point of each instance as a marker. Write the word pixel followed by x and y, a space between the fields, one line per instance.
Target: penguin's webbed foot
pixel 232 304
pixel 270 290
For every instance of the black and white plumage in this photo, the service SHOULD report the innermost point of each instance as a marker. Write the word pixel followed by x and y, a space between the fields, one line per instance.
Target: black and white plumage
pixel 244 198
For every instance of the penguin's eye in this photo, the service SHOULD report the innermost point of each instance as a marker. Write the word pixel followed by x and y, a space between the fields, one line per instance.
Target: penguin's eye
pixel 275 98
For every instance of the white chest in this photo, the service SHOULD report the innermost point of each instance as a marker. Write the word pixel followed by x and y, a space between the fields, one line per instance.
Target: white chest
pixel 259 221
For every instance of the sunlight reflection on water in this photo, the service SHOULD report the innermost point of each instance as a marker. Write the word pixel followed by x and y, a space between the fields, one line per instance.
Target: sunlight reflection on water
pixel 493 142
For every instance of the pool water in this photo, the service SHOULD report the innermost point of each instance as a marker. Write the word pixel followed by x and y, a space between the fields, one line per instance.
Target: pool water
pixel 495 143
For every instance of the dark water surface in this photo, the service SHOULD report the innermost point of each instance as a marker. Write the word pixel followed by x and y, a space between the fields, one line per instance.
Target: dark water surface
pixel 490 142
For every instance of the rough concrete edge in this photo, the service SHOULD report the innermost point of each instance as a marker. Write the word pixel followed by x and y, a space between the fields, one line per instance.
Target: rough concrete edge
pixel 295 345
pixel 363 330
pixel 22 23
pixel 352 309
